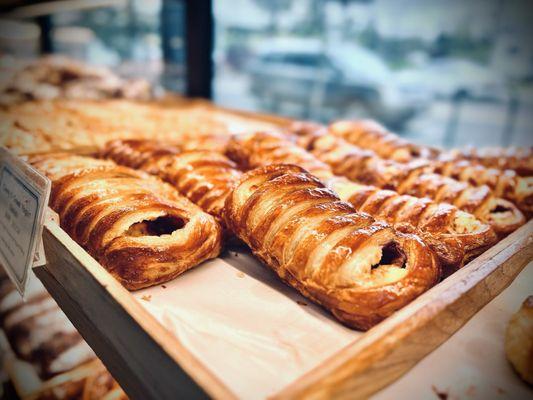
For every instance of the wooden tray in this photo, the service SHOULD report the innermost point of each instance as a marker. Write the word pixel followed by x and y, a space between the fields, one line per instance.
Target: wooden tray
pixel 151 363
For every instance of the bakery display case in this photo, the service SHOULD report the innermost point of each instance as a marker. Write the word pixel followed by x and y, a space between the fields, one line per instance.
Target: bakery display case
pixel 202 249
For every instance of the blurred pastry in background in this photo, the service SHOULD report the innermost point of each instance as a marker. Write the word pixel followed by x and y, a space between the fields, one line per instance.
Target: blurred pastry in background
pixel 519 341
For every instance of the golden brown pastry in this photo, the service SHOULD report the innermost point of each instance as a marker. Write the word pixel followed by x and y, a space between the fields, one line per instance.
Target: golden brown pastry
pixel 519 341
pixel 412 179
pixel 519 159
pixel 494 167
pixel 359 269
pixel 503 183
pixel 261 148
pixel 455 236
pixel 67 386
pixel 369 134
pixel 39 333
pixel 204 177
pixel 53 77
pixel 102 386
pixel 139 228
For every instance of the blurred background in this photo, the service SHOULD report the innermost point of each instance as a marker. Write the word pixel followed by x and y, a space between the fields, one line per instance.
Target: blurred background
pixel 443 72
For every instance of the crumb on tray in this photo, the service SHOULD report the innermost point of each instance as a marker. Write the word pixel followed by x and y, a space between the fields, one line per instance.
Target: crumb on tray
pixel 146 297
pixel 440 394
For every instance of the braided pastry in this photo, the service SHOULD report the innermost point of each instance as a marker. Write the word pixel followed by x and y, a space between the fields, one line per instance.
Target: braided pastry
pixel 412 179
pixel 139 228
pixel 519 159
pixel 359 269
pixel 455 236
pixel 204 177
pixel 259 149
pixel 371 135
pixel 39 332
pixel 506 184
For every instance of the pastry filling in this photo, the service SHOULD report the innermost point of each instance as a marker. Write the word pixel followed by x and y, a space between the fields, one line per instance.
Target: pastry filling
pixel 160 226
pixel 391 255
pixel 374 266
pixel 465 223
pixel 499 209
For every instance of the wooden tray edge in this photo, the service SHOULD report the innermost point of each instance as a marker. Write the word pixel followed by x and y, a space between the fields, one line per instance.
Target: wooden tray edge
pixel 393 347
pixel 69 264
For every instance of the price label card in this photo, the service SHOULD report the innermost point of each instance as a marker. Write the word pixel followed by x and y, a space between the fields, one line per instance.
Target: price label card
pixel 24 194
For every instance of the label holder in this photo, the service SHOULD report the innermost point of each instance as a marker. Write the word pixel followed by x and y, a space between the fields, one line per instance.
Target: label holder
pixel 24 195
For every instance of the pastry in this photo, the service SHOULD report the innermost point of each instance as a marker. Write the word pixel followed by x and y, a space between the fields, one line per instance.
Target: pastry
pixel 204 177
pixel 506 184
pixel 455 236
pixel 39 332
pixel 519 159
pixel 60 77
pixel 519 341
pixel 139 228
pixel 67 386
pixel 262 148
pixel 370 135
pixel 359 269
pixel 412 178
pixel 102 386
pixel 45 126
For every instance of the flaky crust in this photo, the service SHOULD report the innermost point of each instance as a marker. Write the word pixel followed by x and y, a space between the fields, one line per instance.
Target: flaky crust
pixel 359 269
pixel 369 134
pixel 412 178
pixel 139 228
pixel 519 341
pixel 102 386
pixel 506 184
pixel 492 167
pixel 453 235
pixel 204 177
pixel 39 333
pixel 262 148
pixel 519 159
pixel 55 76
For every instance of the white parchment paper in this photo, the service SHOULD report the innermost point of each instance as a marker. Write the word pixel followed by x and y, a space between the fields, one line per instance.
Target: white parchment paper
pixel 251 330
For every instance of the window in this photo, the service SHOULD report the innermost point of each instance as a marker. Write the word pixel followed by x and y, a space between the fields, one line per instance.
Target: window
pixel 442 72
pixel 133 37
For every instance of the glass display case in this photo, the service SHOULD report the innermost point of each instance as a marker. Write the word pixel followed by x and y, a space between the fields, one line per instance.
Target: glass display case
pixel 444 73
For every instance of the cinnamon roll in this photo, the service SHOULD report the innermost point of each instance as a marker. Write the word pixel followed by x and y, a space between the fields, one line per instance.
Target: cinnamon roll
pixel 359 269
pixel 138 227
